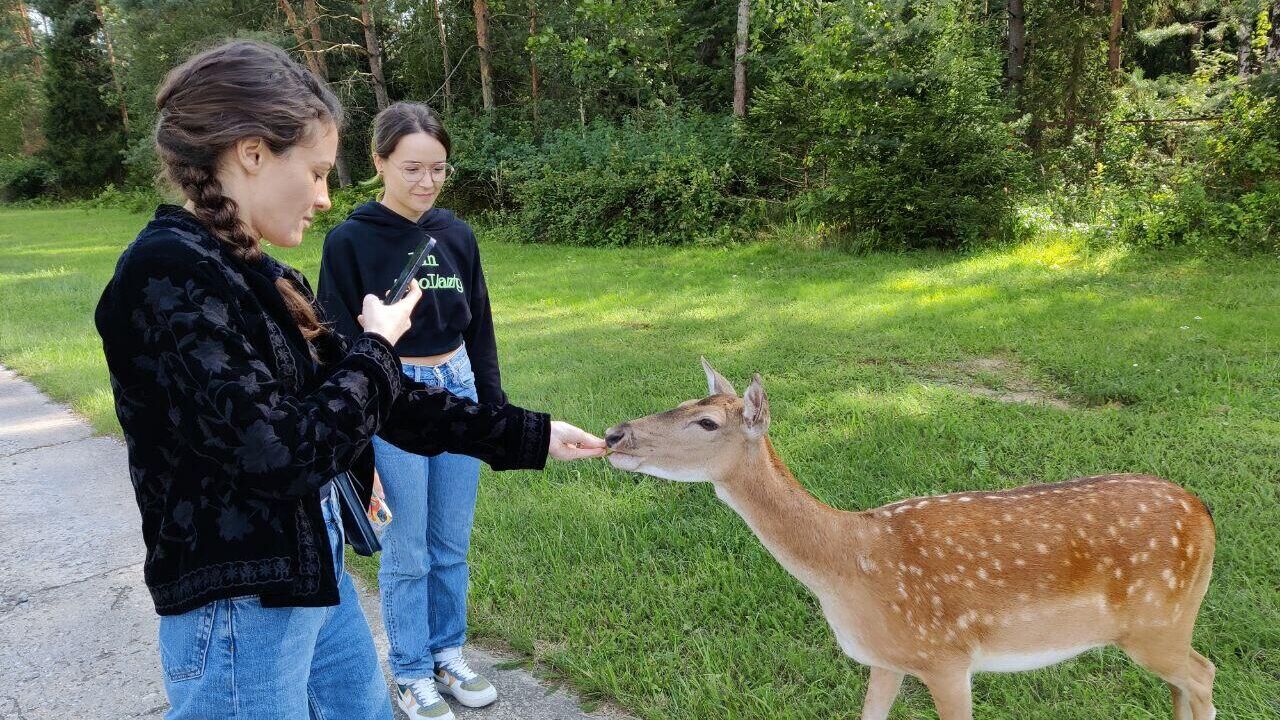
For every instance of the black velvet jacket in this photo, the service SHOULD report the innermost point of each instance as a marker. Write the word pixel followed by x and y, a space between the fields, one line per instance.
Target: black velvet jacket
pixel 233 425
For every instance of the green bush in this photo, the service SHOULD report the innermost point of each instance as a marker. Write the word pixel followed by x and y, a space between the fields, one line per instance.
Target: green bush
pixel 660 179
pixel 889 119
pixel 139 200
pixel 25 177
pixel 1226 196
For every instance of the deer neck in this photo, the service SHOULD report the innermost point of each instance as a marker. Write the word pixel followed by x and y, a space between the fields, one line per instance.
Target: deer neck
pixel 801 532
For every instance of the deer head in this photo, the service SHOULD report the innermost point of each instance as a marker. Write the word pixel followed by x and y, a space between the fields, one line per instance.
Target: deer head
pixel 698 440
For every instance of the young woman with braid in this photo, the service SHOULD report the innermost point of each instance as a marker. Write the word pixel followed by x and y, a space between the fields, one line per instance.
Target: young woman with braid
pixel 238 406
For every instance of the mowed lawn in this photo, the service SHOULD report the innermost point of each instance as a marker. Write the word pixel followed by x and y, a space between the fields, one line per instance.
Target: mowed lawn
pixel 882 371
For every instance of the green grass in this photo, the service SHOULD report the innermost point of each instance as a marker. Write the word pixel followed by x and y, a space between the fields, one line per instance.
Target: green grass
pixel 656 595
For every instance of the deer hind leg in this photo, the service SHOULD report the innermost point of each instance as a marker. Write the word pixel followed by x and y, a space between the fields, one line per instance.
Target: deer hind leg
pixel 882 690
pixel 951 693
pixel 1189 675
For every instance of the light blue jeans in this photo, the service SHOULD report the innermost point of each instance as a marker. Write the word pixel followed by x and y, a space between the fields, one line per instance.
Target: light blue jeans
pixel 236 659
pixel 424 573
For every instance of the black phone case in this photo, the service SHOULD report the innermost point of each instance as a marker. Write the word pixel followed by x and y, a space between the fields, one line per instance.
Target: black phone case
pixel 360 535
pixel 401 285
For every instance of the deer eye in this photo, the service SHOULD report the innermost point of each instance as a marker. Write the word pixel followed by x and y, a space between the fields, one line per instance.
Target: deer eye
pixel 708 424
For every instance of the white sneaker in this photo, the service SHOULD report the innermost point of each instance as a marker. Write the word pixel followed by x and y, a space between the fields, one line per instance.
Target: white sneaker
pixel 457 678
pixel 420 699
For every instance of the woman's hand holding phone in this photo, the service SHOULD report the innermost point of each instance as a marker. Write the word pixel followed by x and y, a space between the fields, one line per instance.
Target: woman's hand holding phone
pixel 389 321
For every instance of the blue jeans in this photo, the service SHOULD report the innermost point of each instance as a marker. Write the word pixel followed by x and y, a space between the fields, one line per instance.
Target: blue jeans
pixel 424 573
pixel 236 659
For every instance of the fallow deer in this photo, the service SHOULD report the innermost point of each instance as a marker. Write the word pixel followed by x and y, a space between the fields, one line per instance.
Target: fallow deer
pixel 944 586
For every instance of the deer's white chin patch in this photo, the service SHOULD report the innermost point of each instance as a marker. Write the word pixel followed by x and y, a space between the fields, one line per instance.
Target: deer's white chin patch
pixel 633 463
pixel 622 461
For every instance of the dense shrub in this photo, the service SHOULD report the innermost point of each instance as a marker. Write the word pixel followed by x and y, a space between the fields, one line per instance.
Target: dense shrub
pixel 890 122
pixel 1226 196
pixel 665 178
pixel 23 177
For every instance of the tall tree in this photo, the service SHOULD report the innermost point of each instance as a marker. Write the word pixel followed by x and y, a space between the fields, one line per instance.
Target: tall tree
pixel 113 64
pixel 312 15
pixel 1244 44
pixel 438 6
pixel 481 10
pixel 373 47
pixel 313 54
pixel 84 136
pixel 740 59
pixel 1113 40
pixel 533 60
pixel 22 22
pixel 1016 60
pixel 1272 56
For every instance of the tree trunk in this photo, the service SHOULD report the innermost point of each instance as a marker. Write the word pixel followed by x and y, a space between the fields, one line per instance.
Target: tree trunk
pixel 533 62
pixel 1272 56
pixel 481 9
pixel 438 7
pixel 740 60
pixel 1113 41
pixel 1244 40
pixel 1073 88
pixel 1015 63
pixel 111 60
pixel 24 31
pixel 317 67
pixel 374 48
pixel 312 15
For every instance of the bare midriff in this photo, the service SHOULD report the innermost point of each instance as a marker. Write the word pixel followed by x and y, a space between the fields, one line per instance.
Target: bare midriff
pixel 440 359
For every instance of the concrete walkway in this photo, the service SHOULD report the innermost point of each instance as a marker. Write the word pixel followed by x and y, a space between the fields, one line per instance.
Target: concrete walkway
pixel 77 628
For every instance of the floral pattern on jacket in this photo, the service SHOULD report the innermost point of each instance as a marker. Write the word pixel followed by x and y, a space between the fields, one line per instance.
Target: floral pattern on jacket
pixel 233 421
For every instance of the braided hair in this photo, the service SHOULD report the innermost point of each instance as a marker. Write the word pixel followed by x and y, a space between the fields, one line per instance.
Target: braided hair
pixel 238 90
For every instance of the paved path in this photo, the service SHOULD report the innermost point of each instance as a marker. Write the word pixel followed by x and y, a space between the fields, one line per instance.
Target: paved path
pixel 77 628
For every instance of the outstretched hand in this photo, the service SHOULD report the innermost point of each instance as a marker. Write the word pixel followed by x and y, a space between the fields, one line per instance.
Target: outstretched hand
pixel 572 443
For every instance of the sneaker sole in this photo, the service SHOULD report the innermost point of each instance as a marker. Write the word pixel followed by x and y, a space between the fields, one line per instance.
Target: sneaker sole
pixel 471 700
pixel 411 710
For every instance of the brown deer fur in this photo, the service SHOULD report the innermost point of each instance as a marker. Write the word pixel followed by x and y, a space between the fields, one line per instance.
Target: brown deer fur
pixel 940 587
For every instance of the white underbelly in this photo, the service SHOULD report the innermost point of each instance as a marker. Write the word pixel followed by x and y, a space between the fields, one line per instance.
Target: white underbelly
pixel 1019 661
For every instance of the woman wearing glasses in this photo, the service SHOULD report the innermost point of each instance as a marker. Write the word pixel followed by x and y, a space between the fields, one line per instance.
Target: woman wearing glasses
pixel 450 344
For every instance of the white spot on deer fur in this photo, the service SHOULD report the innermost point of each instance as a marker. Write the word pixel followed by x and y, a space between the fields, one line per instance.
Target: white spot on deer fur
pixel 1185 506
pixel 1173 541
pixel 1088 517
pixel 1042 548
pixel 965 498
pixel 1119 573
pixel 922 503
pixel 1020 562
pixel 1177 524
pixel 1142 507
pixel 982 573
pixel 1151 543
pixel 1111 530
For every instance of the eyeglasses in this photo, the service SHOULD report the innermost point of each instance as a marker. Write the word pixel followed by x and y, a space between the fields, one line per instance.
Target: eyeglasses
pixel 414 172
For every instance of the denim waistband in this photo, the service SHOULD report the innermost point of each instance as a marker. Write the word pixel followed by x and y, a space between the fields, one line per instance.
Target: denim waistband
pixel 456 368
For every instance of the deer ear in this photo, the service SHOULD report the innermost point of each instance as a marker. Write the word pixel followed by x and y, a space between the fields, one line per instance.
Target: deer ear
pixel 755 408
pixel 716 384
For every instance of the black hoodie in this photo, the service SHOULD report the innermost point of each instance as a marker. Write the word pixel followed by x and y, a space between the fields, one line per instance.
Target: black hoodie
pixel 364 254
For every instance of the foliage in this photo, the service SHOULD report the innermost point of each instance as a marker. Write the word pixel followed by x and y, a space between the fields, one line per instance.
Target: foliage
pixel 894 118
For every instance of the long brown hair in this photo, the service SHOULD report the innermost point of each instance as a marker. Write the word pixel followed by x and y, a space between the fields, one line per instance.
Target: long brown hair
pixel 238 90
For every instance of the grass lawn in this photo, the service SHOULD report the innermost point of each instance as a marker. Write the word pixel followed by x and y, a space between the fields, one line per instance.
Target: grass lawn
pixel 882 372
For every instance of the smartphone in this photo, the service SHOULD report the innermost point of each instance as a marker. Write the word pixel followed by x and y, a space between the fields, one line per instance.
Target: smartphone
pixel 401 286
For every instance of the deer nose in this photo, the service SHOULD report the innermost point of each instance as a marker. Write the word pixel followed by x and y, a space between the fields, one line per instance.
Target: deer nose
pixel 616 434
